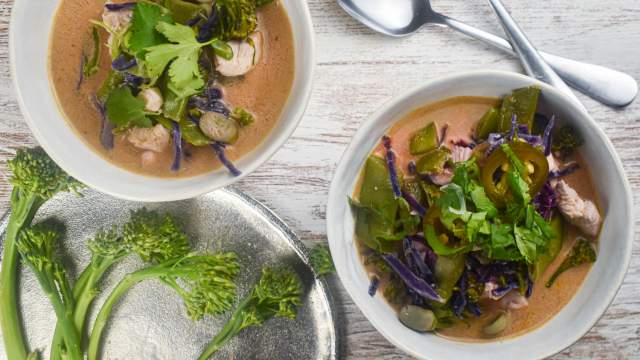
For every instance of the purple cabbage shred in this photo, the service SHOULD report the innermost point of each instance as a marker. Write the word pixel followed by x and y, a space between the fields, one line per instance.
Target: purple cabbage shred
pixel 206 30
pixel 120 6
pixel 391 165
pixel 106 127
pixel 209 104
pixel 546 136
pixel 545 201
pixel 514 127
pixel 569 169
pixel 121 63
pixel 218 148
pixel 415 205
pixel 133 81
pixel 459 297
pixel 373 286
pixel 177 147
pixel 413 282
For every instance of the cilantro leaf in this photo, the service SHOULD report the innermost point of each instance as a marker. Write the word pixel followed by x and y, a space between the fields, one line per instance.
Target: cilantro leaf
pixel 519 187
pixel 482 201
pixel 125 110
pixel 502 236
pixel 146 17
pixel 527 242
pixel 183 52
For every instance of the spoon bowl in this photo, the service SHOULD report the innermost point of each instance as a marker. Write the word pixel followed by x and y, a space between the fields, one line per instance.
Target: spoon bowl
pixel 400 18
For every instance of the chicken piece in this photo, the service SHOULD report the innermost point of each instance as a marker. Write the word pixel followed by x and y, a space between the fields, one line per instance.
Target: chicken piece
pixel 579 212
pixel 489 286
pixel 148 158
pixel 153 139
pixel 117 20
pixel 514 301
pixel 245 56
pixel 442 178
pixel 460 153
pixel 152 98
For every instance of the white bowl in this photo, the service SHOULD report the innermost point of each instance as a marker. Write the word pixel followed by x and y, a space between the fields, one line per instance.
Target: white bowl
pixel 29 43
pixel 599 287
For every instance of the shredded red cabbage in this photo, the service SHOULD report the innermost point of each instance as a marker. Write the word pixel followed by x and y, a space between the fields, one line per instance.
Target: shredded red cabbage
pixel 514 127
pixel 412 281
pixel 545 201
pixel 205 103
pixel 416 262
pixel 206 30
pixel 120 6
pixel 133 81
pixel 177 147
pixel 373 285
pixel 121 63
pixel 415 205
pixel 459 297
pixel 425 251
pixel 106 127
pixel 546 136
pixel 391 165
pixel 569 169
pixel 218 148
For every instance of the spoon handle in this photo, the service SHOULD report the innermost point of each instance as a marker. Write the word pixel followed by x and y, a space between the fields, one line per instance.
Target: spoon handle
pixel 608 86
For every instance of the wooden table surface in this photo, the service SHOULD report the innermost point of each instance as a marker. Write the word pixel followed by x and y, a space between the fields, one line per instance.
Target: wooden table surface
pixel 359 70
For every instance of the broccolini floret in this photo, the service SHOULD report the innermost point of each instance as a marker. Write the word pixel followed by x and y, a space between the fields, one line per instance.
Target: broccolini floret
pixel 204 282
pixel 155 237
pixel 566 140
pixel 36 245
pixel 277 294
pixel 581 253
pixel 36 178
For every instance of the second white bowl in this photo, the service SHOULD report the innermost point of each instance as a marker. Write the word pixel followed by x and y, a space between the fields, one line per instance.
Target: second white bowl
pixel 601 284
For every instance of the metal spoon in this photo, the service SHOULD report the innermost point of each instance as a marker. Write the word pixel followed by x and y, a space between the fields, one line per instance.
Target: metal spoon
pixel 404 17
pixel 531 60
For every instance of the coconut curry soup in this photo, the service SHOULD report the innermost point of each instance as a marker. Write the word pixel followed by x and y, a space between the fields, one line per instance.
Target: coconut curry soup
pixel 172 88
pixel 476 218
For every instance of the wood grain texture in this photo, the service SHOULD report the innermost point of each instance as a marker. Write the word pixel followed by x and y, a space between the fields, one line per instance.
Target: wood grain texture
pixel 358 70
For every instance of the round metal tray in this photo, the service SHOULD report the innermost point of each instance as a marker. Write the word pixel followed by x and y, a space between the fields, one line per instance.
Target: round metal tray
pixel 150 321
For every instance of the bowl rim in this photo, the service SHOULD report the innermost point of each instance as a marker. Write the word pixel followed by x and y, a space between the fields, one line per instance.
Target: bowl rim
pixel 334 198
pixel 297 101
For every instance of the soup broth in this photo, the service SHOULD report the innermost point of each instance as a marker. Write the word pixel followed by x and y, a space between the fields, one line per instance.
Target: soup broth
pixel 264 90
pixel 461 114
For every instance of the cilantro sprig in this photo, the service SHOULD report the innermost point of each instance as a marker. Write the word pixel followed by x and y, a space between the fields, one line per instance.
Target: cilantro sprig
pixel 181 56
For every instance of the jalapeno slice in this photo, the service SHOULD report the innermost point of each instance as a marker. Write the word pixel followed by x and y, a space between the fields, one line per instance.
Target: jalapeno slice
pixel 497 165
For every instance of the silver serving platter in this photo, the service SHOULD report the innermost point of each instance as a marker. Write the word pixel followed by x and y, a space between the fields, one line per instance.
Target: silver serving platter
pixel 150 322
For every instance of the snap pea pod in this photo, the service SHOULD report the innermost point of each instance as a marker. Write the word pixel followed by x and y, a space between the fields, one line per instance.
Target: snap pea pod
pixel 433 161
pixel 113 80
pixel 488 123
pixel 555 244
pixel 183 11
pixel 377 208
pixel 447 271
pixel 522 103
pixel 424 140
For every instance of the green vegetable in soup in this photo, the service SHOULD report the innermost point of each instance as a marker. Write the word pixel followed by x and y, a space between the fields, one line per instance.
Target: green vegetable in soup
pixel 125 110
pixel 488 124
pixel 424 140
pixel 92 64
pixel 183 11
pixel 447 271
pixel 433 161
pixel 566 140
pixel 581 253
pixel 522 103
pixel 555 244
pixel 113 80
pixel 377 207
pixel 143 33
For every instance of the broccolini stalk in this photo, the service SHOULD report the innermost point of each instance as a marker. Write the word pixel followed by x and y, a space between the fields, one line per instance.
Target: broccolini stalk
pixel 36 178
pixel 277 294
pixel 581 253
pixel 36 245
pixel 153 236
pixel 204 282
